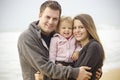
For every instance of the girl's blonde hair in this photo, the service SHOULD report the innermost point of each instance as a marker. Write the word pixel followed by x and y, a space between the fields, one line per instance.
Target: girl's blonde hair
pixel 66 19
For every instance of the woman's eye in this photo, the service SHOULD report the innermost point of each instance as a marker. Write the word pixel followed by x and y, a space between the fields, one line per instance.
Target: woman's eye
pixel 74 27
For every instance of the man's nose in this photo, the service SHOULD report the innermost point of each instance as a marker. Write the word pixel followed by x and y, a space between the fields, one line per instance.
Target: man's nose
pixel 50 21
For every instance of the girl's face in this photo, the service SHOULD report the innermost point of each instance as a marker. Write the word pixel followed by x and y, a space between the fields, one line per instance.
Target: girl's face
pixel 79 31
pixel 65 29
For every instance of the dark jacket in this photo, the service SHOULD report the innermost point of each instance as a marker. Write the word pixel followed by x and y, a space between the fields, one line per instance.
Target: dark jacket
pixel 91 55
pixel 34 56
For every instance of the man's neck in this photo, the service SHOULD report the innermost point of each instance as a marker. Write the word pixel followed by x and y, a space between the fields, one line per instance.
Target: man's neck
pixel 47 38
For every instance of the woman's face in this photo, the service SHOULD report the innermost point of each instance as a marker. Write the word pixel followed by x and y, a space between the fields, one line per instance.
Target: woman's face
pixel 79 31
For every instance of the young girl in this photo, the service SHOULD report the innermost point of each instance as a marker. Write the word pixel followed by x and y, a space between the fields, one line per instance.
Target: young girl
pixel 92 52
pixel 63 47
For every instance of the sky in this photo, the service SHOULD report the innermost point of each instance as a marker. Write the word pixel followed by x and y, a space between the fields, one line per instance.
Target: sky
pixel 16 15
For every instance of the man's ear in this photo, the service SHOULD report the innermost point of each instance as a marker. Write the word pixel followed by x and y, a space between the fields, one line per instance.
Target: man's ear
pixel 40 14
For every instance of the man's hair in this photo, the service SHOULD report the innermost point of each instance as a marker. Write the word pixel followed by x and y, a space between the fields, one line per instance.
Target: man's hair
pixel 51 4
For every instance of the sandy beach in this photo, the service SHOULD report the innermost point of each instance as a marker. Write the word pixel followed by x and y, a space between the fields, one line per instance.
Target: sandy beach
pixel 112 74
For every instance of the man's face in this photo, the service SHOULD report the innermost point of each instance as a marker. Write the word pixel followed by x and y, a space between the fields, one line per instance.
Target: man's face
pixel 49 19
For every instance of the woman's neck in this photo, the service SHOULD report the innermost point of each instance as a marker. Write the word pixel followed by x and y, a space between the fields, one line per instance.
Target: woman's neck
pixel 84 42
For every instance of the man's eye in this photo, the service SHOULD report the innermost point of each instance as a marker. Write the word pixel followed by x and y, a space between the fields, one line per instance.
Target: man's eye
pixel 47 17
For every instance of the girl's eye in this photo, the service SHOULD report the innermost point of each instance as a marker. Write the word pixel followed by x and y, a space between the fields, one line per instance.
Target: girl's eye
pixel 62 27
pixel 70 28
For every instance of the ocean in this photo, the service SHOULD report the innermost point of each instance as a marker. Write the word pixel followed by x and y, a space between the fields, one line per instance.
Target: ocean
pixel 9 59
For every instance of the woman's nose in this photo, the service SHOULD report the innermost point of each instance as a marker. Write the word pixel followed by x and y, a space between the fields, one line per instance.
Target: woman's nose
pixel 77 30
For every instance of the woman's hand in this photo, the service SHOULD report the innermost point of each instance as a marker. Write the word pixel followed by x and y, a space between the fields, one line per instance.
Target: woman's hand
pixel 98 74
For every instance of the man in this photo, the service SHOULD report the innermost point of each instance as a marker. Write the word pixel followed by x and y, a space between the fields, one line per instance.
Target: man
pixel 33 47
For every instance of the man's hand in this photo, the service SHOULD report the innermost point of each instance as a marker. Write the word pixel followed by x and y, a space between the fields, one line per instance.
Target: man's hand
pixel 98 74
pixel 84 74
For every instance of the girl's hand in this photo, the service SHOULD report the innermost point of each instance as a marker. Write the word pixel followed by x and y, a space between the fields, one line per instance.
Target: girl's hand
pixel 75 55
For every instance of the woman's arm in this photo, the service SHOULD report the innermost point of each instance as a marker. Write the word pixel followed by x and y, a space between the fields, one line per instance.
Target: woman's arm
pixel 91 56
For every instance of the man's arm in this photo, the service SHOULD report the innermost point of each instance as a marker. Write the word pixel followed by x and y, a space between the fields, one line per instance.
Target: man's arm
pixel 37 56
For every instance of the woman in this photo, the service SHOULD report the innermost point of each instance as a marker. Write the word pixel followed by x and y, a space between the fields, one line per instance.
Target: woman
pixel 92 53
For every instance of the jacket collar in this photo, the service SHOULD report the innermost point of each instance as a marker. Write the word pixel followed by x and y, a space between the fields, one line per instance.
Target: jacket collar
pixel 36 29
pixel 61 37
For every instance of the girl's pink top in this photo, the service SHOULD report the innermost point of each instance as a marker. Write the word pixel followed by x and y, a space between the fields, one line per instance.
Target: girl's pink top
pixel 61 49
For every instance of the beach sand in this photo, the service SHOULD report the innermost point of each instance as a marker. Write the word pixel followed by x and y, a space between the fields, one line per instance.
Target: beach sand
pixel 112 74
